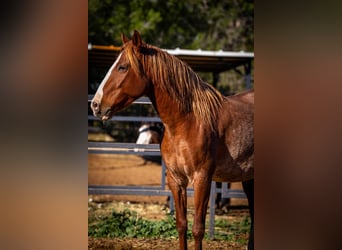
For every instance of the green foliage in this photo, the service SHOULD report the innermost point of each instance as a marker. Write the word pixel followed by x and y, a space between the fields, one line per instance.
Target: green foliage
pixel 226 25
pixel 129 224
pixel 232 230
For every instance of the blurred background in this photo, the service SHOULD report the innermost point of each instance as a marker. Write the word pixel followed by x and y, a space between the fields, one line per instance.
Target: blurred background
pixel 213 25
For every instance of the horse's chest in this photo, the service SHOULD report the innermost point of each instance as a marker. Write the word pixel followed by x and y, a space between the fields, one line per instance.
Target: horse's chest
pixel 179 158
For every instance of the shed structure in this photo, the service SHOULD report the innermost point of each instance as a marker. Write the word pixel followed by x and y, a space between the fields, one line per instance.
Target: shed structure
pixel 103 56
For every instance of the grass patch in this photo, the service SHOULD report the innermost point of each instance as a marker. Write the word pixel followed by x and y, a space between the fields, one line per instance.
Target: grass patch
pixel 128 224
pixel 236 231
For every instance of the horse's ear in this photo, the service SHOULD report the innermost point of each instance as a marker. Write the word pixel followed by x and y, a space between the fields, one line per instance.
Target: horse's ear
pixel 136 39
pixel 124 38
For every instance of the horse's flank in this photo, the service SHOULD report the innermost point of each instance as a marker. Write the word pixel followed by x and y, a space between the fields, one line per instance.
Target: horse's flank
pixel 236 124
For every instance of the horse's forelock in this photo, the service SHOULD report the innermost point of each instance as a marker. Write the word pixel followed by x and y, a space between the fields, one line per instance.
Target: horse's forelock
pixel 133 60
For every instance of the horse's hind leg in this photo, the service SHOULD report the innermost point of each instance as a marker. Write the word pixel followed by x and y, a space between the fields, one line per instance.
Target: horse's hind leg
pixel 248 187
pixel 180 197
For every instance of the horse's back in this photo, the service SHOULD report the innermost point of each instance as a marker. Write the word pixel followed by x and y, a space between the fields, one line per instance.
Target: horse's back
pixel 245 96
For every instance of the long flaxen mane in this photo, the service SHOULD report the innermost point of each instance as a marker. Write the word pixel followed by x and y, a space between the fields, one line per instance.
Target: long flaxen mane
pixel 179 81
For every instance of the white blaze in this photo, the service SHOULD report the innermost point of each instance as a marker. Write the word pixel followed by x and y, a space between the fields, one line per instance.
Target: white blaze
pixel 99 92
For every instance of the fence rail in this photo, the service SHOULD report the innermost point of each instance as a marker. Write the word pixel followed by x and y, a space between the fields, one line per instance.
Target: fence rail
pixel 123 148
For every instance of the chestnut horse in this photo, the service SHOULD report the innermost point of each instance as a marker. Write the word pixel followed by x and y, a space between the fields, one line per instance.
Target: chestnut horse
pixel 206 136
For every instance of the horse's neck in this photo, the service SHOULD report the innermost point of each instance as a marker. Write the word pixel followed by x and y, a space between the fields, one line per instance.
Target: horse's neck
pixel 168 109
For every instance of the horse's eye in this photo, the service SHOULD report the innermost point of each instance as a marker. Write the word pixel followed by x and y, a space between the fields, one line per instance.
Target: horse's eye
pixel 122 68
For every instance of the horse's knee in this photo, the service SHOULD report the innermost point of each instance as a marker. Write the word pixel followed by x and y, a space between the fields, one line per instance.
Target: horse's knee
pixel 198 231
pixel 182 226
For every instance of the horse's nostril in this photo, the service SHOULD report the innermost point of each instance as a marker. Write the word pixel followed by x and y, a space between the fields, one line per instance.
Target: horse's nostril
pixel 95 105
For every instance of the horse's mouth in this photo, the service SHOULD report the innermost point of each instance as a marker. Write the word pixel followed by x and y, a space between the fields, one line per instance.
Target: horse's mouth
pixel 107 115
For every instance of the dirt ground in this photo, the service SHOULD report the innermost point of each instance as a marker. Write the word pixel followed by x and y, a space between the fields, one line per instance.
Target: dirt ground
pixel 112 169
pixel 148 244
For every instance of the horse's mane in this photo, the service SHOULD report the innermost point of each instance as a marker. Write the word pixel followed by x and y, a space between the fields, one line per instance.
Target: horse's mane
pixel 174 76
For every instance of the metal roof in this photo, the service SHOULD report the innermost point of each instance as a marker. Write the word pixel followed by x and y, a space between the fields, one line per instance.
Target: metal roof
pixel 199 60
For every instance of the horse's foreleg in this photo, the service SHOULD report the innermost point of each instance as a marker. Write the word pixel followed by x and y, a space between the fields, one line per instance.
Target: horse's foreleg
pixel 248 187
pixel 180 197
pixel 202 184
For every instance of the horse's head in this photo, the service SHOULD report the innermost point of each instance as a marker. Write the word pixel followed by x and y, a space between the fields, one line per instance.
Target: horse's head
pixel 123 83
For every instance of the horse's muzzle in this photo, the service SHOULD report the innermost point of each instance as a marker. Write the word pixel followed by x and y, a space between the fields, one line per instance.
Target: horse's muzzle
pixel 102 114
pixel 95 106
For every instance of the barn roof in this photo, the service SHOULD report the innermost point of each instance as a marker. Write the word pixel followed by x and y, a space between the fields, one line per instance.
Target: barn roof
pixel 199 60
